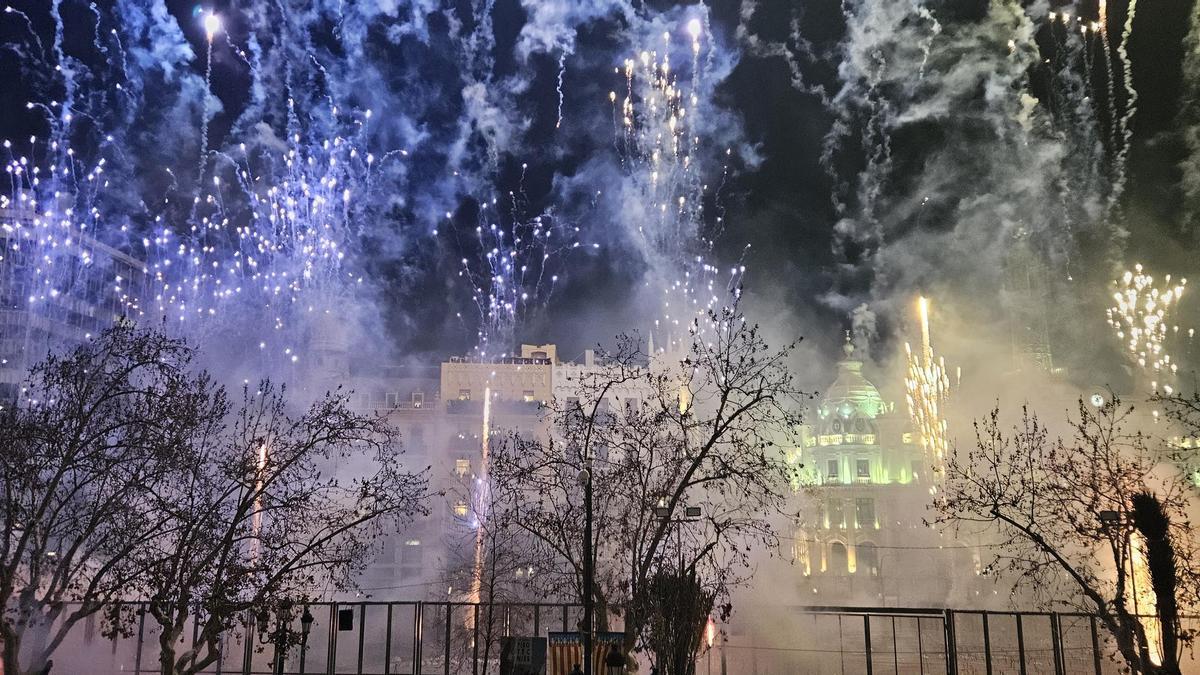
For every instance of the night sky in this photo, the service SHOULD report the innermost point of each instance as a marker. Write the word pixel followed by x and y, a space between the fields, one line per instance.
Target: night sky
pixel 784 76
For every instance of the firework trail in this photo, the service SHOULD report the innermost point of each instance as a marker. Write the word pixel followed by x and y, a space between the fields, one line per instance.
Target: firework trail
pixel 660 145
pixel 1131 96
pixel 1189 118
pixel 558 87
pixel 212 25
pixel 9 9
pixel 1018 152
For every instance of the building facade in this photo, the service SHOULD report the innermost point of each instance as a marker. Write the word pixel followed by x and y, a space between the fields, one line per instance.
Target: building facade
pixel 862 536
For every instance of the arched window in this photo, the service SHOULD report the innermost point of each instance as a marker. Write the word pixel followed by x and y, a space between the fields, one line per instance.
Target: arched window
pixel 839 562
pixel 868 558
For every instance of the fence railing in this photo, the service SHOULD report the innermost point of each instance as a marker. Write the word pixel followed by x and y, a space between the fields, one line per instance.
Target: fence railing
pixel 449 638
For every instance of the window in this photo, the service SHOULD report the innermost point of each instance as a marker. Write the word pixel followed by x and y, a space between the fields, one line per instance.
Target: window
pixel 868 558
pixel 836 516
pixel 411 556
pixel 460 509
pixel 462 467
pixel 862 469
pixel 917 466
pixel 527 396
pixel 831 470
pixel 418 399
pixel 415 443
pixel 839 561
pixel 390 399
pixel 464 394
pixel 865 510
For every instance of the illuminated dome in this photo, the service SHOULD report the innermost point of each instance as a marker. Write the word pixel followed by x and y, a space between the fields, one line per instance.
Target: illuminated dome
pixel 851 396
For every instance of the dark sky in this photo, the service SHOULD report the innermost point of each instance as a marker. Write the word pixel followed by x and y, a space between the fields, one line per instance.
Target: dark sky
pixel 410 66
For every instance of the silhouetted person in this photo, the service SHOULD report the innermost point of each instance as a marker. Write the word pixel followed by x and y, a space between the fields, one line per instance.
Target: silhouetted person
pixel 576 670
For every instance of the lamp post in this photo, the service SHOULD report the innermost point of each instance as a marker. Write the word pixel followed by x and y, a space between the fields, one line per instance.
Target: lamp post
pixel 306 622
pixel 691 515
pixel 281 638
pixel 614 662
pixel 585 476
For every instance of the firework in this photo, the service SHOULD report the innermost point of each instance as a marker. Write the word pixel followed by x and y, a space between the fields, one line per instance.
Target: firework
pixel 1141 319
pixel 927 389
pixel 59 279
pixel 659 138
pixel 512 270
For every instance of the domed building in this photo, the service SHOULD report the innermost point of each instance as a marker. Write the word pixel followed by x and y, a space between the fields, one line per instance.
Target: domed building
pixel 861 537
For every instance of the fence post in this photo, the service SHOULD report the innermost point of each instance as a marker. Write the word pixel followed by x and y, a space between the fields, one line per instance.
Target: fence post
pixel 331 656
pixel 362 631
pixel 248 649
pixel 1056 643
pixel 137 660
pixel 867 642
pixel 1095 645
pixel 449 611
pixel 951 642
pixel 920 648
pixel 987 643
pixel 418 618
pixel 1021 641
pixel 475 641
pixel 895 649
pixel 387 642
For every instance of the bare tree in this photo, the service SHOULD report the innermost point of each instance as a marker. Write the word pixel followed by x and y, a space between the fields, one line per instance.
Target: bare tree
pixel 267 510
pixel 1061 513
pixel 489 563
pixel 658 435
pixel 81 452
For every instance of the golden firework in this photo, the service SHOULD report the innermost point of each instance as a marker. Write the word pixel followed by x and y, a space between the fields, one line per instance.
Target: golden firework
pixel 927 388
pixel 1140 318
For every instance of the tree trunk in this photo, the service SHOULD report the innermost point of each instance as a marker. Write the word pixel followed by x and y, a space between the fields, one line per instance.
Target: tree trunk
pixel 1155 527
pixel 12 647
pixel 166 650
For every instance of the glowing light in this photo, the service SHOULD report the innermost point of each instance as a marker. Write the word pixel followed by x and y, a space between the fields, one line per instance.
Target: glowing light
pixel 927 389
pixel 481 496
pixel 695 28
pixel 1140 318
pixel 710 632
pixel 212 25
pixel 1144 601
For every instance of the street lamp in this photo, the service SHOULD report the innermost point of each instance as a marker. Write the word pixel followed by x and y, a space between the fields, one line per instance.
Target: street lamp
pixel 585 477
pixel 306 622
pixel 614 662
pixel 691 514
pixel 283 635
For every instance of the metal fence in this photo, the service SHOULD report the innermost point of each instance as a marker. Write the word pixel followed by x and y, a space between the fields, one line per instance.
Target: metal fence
pixel 446 638
pixel 921 641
